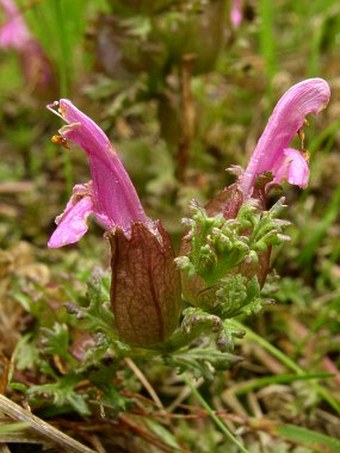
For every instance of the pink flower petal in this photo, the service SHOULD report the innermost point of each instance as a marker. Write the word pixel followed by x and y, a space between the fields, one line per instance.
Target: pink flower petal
pixel 293 168
pixel 14 33
pixel 236 13
pixel 309 96
pixel 9 7
pixel 72 223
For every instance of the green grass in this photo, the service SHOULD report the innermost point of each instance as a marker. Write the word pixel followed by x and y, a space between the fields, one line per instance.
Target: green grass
pixel 290 364
pixel 267 38
pixel 218 422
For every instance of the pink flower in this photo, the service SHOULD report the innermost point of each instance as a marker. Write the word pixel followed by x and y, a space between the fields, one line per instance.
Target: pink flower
pixel 236 13
pixel 272 153
pixel 110 197
pixel 145 286
pixel 14 35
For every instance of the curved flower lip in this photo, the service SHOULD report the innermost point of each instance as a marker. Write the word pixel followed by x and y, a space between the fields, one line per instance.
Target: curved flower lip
pixel 293 168
pixel 73 223
pixel 114 199
pixel 308 96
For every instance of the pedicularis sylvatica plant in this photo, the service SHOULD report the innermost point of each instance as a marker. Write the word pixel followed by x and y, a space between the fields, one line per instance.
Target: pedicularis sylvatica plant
pixel 179 308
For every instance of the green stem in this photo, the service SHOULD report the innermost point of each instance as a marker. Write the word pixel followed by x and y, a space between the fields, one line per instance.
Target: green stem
pixel 63 50
pixel 64 70
pixel 214 417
